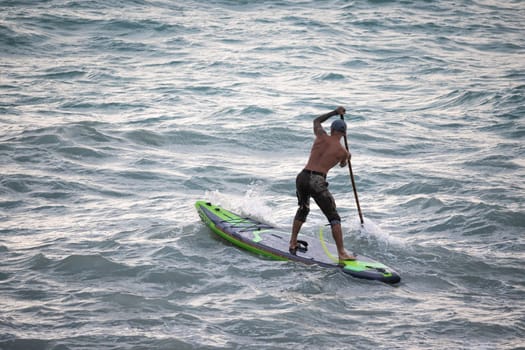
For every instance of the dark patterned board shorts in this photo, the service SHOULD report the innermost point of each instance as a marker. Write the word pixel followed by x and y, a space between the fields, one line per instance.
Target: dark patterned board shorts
pixel 314 185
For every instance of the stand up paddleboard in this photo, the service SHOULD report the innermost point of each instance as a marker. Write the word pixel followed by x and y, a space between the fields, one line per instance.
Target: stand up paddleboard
pixel 272 242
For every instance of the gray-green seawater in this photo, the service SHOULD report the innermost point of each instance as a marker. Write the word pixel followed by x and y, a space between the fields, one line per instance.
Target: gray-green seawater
pixel 115 117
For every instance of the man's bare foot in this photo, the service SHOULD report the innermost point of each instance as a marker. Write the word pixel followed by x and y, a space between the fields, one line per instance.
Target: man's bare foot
pixel 346 257
pixel 300 245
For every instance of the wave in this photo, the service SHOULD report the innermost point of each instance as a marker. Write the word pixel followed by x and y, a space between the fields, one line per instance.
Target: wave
pixel 499 162
pixel 91 266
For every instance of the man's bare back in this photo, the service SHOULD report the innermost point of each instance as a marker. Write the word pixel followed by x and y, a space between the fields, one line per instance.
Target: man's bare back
pixel 326 152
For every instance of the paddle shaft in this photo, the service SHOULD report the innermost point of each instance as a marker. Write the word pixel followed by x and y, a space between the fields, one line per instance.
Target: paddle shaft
pixel 353 181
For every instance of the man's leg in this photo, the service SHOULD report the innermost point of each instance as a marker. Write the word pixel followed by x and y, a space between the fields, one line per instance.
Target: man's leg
pixel 303 200
pixel 296 227
pixel 326 202
pixel 337 233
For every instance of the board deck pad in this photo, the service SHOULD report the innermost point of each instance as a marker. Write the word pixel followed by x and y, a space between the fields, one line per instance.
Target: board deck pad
pixel 269 241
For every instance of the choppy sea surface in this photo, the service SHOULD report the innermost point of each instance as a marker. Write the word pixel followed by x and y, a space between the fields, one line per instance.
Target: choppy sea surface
pixel 116 116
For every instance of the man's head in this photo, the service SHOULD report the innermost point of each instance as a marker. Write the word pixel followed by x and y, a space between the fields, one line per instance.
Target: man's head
pixel 338 125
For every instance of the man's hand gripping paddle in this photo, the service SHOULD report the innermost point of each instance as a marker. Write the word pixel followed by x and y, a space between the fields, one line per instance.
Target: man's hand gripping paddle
pixel 353 181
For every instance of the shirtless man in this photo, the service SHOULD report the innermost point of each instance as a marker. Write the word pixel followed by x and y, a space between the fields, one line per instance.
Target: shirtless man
pixel 326 152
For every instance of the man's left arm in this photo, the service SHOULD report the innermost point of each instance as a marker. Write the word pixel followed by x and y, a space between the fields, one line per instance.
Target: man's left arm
pixel 345 159
pixel 318 128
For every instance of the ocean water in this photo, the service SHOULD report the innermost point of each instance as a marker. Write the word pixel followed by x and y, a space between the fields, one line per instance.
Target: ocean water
pixel 116 116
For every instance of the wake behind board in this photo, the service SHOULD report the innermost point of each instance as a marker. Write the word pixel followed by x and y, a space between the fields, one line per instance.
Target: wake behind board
pixel 272 242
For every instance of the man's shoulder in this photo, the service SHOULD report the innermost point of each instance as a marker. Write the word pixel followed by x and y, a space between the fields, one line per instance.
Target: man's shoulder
pixel 319 131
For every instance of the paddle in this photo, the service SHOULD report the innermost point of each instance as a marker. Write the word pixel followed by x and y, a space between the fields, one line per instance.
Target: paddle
pixel 353 181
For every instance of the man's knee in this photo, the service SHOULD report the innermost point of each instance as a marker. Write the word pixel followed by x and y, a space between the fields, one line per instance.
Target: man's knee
pixel 335 222
pixel 334 219
pixel 302 213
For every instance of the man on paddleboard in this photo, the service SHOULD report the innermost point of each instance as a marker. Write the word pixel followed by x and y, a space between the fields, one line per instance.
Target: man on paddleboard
pixel 326 152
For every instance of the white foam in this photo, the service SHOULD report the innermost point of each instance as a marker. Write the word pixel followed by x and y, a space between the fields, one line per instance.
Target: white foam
pixel 250 204
pixel 371 231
